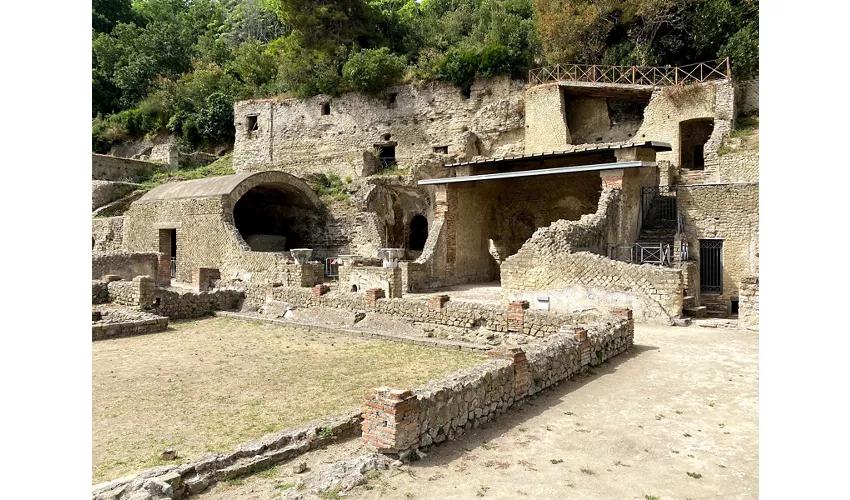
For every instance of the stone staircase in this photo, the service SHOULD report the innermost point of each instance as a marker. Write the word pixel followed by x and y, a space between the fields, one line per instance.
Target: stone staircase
pixel 691 310
pixel 715 305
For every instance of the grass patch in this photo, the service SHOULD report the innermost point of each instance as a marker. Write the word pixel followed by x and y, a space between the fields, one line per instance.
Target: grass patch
pixel 650 497
pixel 330 187
pixel 695 475
pixel 587 470
pixel 391 170
pixel 169 390
pixel 222 166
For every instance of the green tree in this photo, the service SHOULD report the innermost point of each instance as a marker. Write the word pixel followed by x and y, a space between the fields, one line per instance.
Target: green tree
pixel 371 71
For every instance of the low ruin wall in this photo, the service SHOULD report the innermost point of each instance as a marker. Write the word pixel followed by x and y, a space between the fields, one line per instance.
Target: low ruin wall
pixel 399 421
pixel 127 265
pixel 123 323
pixel 113 168
pixel 107 234
pixel 515 318
pixel 185 304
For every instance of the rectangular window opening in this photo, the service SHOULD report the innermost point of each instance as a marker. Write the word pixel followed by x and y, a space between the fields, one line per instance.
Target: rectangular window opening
pixel 386 156
pixel 326 108
pixel 443 150
pixel 391 99
pixel 253 123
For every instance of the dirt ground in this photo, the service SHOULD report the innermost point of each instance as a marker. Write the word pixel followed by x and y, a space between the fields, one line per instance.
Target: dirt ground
pixel 208 385
pixel 677 418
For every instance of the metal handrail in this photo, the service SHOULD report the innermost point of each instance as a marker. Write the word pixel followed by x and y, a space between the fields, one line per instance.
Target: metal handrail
pixel 718 69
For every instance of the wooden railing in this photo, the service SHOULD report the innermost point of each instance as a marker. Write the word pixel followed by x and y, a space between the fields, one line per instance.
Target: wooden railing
pixel 633 75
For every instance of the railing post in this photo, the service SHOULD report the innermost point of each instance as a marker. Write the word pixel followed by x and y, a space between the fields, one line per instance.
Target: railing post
pixel 633 75
pixel 676 74
pixel 593 78
pixel 728 69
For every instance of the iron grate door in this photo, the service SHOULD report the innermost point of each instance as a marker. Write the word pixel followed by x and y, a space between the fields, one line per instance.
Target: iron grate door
pixel 711 266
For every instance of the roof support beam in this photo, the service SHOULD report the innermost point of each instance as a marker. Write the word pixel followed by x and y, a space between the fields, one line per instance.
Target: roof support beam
pixel 544 171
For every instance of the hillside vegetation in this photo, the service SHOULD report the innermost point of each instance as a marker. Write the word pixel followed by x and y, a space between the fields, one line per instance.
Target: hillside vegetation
pixel 177 66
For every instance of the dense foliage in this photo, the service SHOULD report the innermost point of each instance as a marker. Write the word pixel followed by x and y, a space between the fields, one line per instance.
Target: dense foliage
pixel 177 66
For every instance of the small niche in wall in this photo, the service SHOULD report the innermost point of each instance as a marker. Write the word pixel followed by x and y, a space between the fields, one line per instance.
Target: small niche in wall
pixel 387 137
pixel 543 303
pixel 734 306
pixel 252 123
pixel 326 108
pixel 466 91
pixel 391 99
pixel 443 150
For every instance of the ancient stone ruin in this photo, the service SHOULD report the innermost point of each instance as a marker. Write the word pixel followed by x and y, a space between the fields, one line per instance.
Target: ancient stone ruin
pixel 537 221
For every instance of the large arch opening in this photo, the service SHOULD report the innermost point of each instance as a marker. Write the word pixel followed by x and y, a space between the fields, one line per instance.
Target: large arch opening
pixel 273 218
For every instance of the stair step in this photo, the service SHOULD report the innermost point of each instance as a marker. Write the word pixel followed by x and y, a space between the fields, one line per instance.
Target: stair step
pixel 695 312
pixel 717 314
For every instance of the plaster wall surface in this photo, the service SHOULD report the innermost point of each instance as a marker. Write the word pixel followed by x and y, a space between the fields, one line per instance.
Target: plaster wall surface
pixel 545 119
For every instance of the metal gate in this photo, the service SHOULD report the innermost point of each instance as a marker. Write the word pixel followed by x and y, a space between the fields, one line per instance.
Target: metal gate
pixel 332 267
pixel 711 266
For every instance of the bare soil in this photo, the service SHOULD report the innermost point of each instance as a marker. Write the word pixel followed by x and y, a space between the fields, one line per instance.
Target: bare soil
pixel 208 385
pixel 677 417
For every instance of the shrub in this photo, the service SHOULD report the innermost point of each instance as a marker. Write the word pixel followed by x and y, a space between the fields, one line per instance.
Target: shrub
pixel 459 67
pixel 371 71
pixel 495 60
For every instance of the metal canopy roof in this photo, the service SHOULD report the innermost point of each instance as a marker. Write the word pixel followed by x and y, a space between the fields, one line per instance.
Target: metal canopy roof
pixel 542 171
pixel 658 146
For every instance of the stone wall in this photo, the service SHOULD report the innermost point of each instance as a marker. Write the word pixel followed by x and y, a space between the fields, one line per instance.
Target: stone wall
pixel 397 421
pixel 107 234
pixel 560 263
pixel 747 96
pixel 99 292
pixel 103 192
pixel 128 265
pixel 578 281
pixel 113 168
pixel 295 136
pixel 116 322
pixel 361 278
pixel 738 166
pixel 748 305
pixel 176 303
pixel 729 212
pixel 502 319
